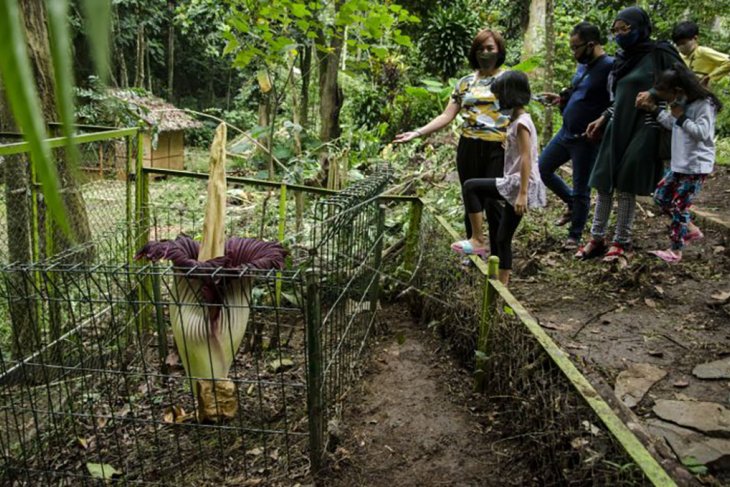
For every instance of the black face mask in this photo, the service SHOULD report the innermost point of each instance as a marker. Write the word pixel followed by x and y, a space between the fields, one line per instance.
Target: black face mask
pixel 487 60
pixel 587 55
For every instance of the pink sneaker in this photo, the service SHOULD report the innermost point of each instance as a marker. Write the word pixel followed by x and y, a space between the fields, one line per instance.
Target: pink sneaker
pixel 667 256
pixel 694 236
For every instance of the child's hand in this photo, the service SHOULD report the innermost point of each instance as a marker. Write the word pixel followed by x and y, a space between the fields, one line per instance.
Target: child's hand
pixel 644 101
pixel 677 110
pixel 521 204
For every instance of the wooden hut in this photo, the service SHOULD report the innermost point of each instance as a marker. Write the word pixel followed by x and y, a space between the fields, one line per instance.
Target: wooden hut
pixel 164 141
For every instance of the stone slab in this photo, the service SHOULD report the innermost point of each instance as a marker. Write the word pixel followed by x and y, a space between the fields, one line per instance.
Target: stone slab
pixel 633 383
pixel 691 446
pixel 707 417
pixel 719 369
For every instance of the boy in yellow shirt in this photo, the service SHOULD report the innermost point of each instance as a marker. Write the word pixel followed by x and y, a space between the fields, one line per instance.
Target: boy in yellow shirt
pixel 708 64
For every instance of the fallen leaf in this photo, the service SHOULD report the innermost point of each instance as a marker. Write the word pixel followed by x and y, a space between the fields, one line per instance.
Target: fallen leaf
pixel 281 364
pixel 650 303
pixel 389 449
pixel 721 296
pixel 250 389
pixel 123 411
pixel 659 290
pixel 555 326
pixel 578 443
pixel 255 452
pixel 575 346
pixel 83 442
pixel 679 384
pixel 252 482
pixel 174 414
pixel 718 249
pixel 101 421
pixel 172 359
pixel 102 470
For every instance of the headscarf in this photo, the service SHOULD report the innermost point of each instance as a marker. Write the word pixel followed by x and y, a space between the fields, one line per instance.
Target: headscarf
pixel 627 59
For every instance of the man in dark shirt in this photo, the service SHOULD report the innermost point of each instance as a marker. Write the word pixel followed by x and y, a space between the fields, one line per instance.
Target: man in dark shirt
pixel 582 103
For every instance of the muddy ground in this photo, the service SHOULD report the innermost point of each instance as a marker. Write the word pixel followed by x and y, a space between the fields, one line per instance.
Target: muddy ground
pixel 649 312
pixel 413 420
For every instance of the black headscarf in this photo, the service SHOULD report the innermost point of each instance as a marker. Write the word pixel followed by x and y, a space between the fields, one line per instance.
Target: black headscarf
pixel 627 59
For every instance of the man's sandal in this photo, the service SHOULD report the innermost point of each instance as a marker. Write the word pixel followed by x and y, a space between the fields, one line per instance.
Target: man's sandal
pixel 594 248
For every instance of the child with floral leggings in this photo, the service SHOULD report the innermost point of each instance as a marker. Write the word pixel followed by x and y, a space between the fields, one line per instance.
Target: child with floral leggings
pixel 692 122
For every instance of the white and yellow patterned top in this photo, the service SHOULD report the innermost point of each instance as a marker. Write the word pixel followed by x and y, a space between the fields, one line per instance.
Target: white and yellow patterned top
pixel 480 109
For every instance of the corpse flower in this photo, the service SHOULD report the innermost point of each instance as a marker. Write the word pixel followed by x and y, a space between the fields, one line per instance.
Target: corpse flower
pixel 210 295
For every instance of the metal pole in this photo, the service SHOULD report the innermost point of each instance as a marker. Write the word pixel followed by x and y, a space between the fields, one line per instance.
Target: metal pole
pixel 489 301
pixel 315 399
pixel 377 260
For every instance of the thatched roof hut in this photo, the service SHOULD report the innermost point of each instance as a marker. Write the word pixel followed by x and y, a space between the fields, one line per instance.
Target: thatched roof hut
pixel 164 142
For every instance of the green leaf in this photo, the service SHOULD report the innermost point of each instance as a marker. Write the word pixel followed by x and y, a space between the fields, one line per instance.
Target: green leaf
pixel 25 105
pixel 694 465
pixel 97 15
pixel 102 471
pixel 60 46
pixel 299 10
pixel 529 64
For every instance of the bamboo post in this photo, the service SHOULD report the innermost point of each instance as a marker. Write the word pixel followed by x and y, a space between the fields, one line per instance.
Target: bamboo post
pixel 415 214
pixel 489 302
pixel 142 232
pixel 377 260
pixel 282 234
pixel 315 399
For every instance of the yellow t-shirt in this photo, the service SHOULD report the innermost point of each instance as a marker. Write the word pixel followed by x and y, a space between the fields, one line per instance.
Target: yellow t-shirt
pixel 480 109
pixel 705 61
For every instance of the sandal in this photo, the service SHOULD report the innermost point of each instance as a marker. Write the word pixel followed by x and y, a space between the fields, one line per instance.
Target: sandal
pixel 465 247
pixel 570 243
pixel 667 256
pixel 593 248
pixel 566 218
pixel 616 252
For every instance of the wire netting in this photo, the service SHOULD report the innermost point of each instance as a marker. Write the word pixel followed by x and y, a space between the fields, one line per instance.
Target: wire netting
pixel 539 408
pixel 348 245
pixel 97 201
pixel 105 385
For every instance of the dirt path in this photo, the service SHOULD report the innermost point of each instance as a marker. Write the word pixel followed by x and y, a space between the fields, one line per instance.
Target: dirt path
pixel 411 422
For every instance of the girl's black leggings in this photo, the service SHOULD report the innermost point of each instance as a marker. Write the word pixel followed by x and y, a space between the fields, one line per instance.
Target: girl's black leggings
pixel 476 192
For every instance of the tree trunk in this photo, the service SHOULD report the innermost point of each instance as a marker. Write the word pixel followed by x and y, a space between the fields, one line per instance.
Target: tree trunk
pixel 330 97
pixel 139 73
pixel 547 132
pixel 534 35
pixel 171 50
pixel 306 68
pixel 24 326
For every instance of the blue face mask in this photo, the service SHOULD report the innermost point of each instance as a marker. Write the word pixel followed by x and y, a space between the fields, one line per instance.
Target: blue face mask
pixel 625 41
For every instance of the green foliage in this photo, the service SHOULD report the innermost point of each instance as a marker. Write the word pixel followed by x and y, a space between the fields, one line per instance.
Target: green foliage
pixel 721 88
pixel 447 38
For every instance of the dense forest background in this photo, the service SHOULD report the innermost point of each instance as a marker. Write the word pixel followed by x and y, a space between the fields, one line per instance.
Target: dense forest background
pixel 341 76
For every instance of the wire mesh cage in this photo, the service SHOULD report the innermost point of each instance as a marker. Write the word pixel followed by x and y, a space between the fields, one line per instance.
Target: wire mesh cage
pixel 105 393
pixel 94 207
pixel 99 382
pixel 542 410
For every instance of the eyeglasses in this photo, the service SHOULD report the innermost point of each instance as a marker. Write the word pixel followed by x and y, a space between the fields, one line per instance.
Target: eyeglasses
pixel 575 48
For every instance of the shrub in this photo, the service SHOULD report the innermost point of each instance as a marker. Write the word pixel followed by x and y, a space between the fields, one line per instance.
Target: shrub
pixel 447 38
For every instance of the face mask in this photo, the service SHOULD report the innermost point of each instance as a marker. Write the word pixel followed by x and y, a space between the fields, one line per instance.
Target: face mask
pixel 686 48
pixel 487 60
pixel 625 41
pixel 587 56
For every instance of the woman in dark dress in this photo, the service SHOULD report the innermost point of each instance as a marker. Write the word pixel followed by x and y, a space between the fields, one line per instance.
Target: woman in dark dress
pixel 628 162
